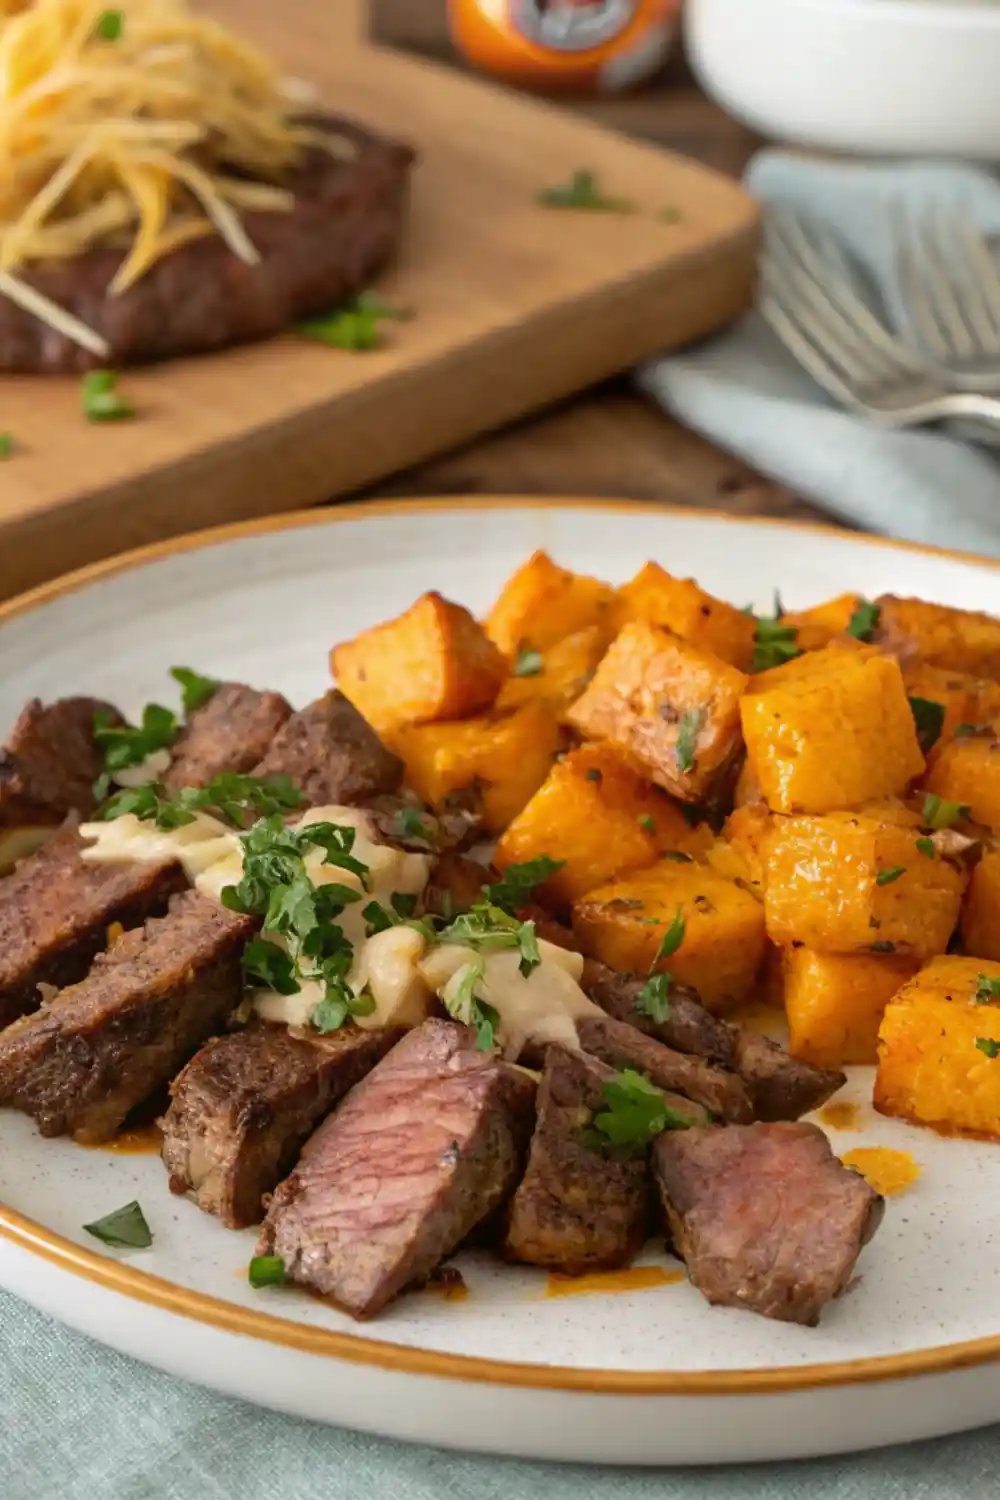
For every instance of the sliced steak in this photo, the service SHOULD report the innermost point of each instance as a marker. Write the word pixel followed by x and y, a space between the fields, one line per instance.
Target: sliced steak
pixel 576 1210
pixel 688 1026
pixel 245 1104
pixel 622 1046
pixel 782 1087
pixel 423 1150
pixel 100 1048
pixel 764 1216
pixel 55 910
pixel 231 732
pixel 50 762
pixel 332 755
pixel 345 224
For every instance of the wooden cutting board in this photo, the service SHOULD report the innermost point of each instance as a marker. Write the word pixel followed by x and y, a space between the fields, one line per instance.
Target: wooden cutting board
pixel 516 306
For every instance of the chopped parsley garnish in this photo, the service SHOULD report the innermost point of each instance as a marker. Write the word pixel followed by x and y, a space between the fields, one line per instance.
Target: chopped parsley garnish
pixel 101 399
pixel 671 940
pixel 928 717
pixel 195 689
pixel 332 1011
pixel 688 731
pixel 886 877
pixel 582 191
pixel 229 794
pixel 490 929
pixel 528 663
pixel 653 1000
pixel 403 904
pixel 592 773
pixel 124 1229
pixel 130 744
pixel 411 826
pixel 864 620
pixel 677 856
pixel 355 325
pixel 988 1045
pixel 110 25
pixel 967 731
pixel 517 885
pixel 647 822
pixel 6 444
pixel 271 967
pixel 266 1270
pixel 882 946
pixel 926 846
pixel 635 1112
pixel 987 990
pixel 937 813
pixel 466 1006
pixel 774 641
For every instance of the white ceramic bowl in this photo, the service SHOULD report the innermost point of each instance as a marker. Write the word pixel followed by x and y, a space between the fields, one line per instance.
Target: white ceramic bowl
pixel 889 77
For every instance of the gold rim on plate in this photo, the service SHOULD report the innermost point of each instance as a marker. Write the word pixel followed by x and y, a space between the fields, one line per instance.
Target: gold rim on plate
pixel 215 1312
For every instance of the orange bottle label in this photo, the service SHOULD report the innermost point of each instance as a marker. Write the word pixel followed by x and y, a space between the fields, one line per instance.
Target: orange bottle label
pixel 594 45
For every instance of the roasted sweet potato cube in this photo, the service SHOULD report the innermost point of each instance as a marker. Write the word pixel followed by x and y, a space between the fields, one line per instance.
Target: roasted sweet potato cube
pixel 747 792
pixel 433 662
pixel 542 604
pixel 741 852
pixel 813 664
pixel 506 757
pixel 960 639
pixel 981 912
pixel 673 709
pixel 723 944
pixel 847 883
pixel 834 739
pixel 939 1048
pixel 678 604
pixel 600 816
pixel 817 627
pixel 968 772
pixel 835 1002
pixel 558 675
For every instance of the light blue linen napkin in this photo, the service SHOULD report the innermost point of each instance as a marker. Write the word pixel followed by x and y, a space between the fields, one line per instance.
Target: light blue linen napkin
pixel 744 392
pixel 82 1423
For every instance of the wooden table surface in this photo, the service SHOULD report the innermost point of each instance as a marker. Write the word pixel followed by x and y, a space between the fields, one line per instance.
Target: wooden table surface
pixel 609 441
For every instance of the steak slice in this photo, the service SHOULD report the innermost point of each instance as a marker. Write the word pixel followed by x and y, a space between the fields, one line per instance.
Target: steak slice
pixel 55 909
pixel 103 1046
pixel 344 226
pixel 245 1104
pixel 50 762
pixel 764 1216
pixel 423 1150
pixel 622 1046
pixel 332 754
pixel 782 1087
pixel 576 1210
pixel 688 1026
pixel 231 732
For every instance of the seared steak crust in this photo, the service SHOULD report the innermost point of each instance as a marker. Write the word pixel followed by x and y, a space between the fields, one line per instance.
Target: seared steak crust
pixel 782 1087
pixel 50 762
pixel 103 1046
pixel 575 1210
pixel 622 1046
pixel 332 754
pixel 423 1150
pixel 231 732
pixel 245 1104
pixel 764 1216
pixel 55 909
pixel 346 223
pixel 688 1026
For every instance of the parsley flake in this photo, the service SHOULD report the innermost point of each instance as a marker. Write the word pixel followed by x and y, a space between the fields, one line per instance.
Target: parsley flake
pixel 886 877
pixel 195 689
pixel 6 444
pixel 101 399
pixel 648 822
pixel 635 1112
pixel 229 795
pixel 270 967
pixel 926 847
pixel 355 325
pixel 582 192
pixel 928 718
pixel 518 883
pixel 653 1000
pixel 937 813
pixel 124 1229
pixel 130 744
pixel 490 929
pixel 671 940
pixel 528 663
pixel 463 1004
pixel 411 826
pixel 988 1045
pixel 110 25
pixel 864 620
pixel 987 990
pixel 774 642
pixel 266 1270
pixel 688 731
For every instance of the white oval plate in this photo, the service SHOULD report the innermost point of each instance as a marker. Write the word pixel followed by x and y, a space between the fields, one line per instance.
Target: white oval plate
pixel 646 1377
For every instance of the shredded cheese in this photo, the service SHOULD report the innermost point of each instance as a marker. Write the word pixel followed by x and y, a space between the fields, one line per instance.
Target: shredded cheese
pixel 144 139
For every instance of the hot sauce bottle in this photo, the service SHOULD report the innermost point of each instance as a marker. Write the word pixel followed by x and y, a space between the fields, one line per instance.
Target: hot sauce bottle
pixel 561 46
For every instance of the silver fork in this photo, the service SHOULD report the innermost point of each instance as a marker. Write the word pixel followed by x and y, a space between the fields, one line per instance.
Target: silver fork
pixel 808 300
pixel 950 287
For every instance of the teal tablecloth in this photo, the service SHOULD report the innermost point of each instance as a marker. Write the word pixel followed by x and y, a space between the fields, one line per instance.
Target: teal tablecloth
pixel 82 1423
